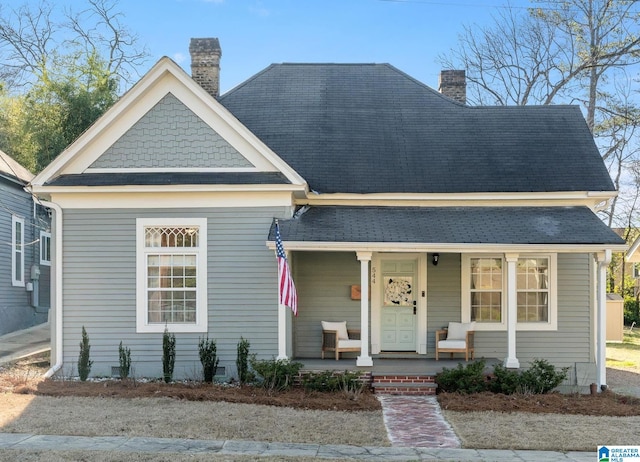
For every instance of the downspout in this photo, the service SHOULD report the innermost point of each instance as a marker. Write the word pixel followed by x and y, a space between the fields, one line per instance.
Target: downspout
pixel 603 258
pixel 57 284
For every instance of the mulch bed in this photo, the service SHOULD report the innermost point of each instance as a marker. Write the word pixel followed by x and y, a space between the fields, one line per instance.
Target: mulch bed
pixel 295 398
pixel 607 403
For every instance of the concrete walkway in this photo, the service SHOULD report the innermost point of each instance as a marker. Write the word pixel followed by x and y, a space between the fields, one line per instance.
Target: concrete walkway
pixel 122 444
pixel 25 343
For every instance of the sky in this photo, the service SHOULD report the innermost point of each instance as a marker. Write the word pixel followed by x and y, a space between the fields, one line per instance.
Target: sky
pixel 409 34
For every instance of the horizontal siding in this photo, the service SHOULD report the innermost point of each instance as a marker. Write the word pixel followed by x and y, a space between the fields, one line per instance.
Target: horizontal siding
pixel 100 288
pixel 443 295
pixel 569 346
pixel 16 311
pixel 323 281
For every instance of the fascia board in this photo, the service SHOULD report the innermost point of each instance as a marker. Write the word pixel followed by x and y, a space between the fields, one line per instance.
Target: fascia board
pixel 559 198
pixel 446 247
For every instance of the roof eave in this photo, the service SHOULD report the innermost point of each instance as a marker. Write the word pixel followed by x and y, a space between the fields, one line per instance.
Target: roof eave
pixel 447 247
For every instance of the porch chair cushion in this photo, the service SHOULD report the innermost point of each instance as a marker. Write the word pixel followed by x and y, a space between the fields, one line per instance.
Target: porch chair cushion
pixel 336 338
pixel 458 331
pixel 341 327
pixel 459 339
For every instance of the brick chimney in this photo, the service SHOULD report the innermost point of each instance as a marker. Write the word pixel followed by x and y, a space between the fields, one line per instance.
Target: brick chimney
pixel 452 83
pixel 205 63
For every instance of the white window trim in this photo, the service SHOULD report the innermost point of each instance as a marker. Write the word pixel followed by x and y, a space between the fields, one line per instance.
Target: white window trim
pixel 142 324
pixel 45 239
pixel 17 279
pixel 550 325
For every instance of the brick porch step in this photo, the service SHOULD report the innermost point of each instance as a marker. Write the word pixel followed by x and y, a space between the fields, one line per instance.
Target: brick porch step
pixel 403 384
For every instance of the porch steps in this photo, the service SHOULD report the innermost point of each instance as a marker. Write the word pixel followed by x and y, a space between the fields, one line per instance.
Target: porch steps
pixel 403 384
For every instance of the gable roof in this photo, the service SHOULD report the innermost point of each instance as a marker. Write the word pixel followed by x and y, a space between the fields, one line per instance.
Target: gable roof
pixel 167 130
pixel 370 128
pixel 9 167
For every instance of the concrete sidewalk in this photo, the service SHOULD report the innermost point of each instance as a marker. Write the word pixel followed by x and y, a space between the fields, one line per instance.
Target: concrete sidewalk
pixel 25 342
pixel 165 446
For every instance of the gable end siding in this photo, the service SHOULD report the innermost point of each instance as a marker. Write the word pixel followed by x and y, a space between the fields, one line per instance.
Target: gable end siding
pixel 168 128
pixel 100 289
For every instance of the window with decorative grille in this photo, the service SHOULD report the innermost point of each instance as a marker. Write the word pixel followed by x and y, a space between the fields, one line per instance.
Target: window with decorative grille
pixel 172 265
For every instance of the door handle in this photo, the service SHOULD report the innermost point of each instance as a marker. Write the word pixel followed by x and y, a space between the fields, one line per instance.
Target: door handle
pixel 414 307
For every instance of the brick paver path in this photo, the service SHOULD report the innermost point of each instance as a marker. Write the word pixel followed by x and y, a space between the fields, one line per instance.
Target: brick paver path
pixel 416 421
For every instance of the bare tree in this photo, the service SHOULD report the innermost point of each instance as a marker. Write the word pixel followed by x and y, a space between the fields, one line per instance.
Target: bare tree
pixel 38 40
pixel 564 51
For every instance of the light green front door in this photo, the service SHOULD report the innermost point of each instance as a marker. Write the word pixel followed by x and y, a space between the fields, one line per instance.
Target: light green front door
pixel 398 319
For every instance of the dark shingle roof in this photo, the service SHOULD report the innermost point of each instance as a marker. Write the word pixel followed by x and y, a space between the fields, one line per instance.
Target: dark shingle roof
pixel 166 178
pixel 449 225
pixel 367 128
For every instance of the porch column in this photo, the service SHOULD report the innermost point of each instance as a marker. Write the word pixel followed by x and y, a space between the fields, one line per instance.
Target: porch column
pixel 282 332
pixel 511 361
pixel 364 359
pixel 603 259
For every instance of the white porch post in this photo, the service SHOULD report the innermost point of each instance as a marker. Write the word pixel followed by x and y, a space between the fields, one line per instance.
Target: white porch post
pixel 364 359
pixel 511 361
pixel 282 332
pixel 603 259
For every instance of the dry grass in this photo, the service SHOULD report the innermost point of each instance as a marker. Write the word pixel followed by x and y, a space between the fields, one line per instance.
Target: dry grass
pixel 170 418
pixel 557 432
pixel 112 409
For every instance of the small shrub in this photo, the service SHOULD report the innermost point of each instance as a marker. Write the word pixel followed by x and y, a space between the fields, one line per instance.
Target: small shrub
pixel 542 377
pixel 330 381
pixel 505 381
pixel 242 362
pixel 124 354
pixel 463 379
pixel 208 358
pixel 168 355
pixel 276 374
pixel 84 363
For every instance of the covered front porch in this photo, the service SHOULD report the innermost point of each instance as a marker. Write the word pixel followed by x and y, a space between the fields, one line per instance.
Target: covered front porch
pixel 413 269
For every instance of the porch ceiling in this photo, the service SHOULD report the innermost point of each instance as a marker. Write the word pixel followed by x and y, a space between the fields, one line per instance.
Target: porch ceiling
pixel 439 227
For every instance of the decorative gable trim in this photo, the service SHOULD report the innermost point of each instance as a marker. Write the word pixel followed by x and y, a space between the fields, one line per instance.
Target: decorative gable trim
pixel 188 144
pixel 165 78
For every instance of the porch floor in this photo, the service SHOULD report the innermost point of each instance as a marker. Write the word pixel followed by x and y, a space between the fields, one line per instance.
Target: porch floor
pixel 389 366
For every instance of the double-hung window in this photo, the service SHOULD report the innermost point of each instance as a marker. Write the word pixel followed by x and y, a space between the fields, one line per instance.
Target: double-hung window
pixel 484 291
pixel 171 275
pixel 17 251
pixel 45 248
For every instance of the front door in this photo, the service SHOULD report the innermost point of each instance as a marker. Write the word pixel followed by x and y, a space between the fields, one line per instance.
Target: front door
pixel 398 317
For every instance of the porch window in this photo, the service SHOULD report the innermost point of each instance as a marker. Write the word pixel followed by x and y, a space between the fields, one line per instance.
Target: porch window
pixel 484 289
pixel 171 260
pixel 17 251
pixel 533 289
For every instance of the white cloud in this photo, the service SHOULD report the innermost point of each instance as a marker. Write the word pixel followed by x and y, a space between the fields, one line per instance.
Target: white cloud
pixel 179 58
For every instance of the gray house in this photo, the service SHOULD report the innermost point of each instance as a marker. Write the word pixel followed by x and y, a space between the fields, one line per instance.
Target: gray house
pixel 25 262
pixel 165 212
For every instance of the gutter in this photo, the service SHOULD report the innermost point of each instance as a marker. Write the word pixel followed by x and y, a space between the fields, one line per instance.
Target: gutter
pixel 57 284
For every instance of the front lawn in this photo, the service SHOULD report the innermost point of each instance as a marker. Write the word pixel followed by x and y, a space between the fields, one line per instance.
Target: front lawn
pixel 625 355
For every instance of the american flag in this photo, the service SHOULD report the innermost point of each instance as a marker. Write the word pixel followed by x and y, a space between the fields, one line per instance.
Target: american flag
pixel 286 289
